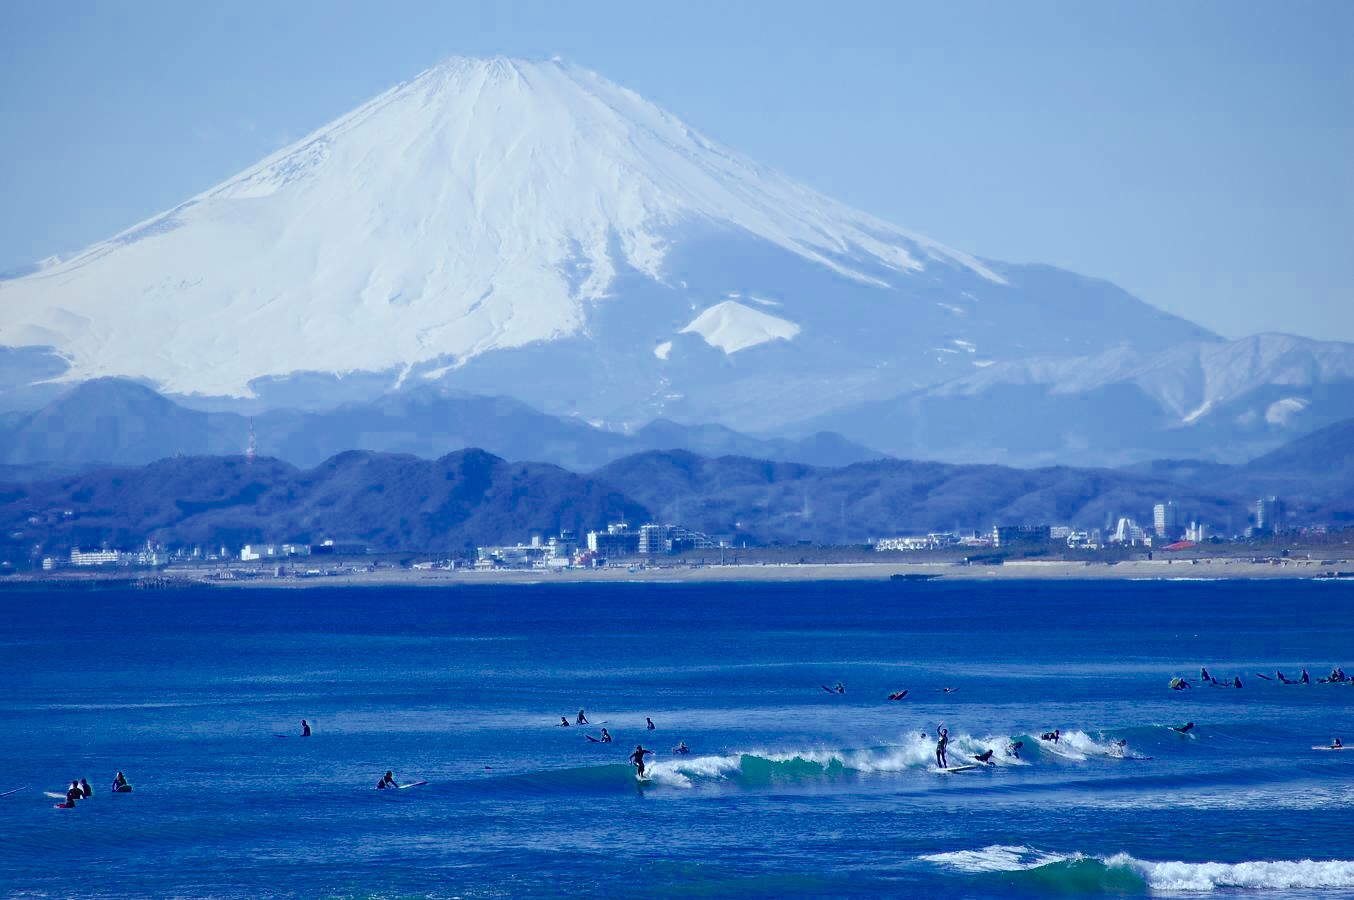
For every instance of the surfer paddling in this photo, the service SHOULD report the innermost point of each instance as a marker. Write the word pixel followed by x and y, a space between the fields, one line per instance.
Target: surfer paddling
pixel 897 695
pixel 387 781
pixel 1183 729
pixel 637 759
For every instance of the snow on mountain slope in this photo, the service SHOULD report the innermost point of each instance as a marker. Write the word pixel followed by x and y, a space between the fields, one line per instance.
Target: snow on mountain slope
pixel 482 205
pixel 1187 380
pixel 731 327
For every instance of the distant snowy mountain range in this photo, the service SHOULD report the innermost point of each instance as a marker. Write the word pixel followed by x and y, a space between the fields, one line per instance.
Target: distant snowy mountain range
pixel 530 229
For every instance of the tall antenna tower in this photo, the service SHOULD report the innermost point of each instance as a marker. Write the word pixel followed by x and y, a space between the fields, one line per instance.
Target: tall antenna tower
pixel 252 448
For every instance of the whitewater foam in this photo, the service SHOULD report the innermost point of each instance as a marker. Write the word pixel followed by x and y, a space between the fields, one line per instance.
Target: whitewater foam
pixel 1172 875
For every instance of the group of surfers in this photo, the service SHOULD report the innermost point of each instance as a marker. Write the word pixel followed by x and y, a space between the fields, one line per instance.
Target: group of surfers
pixel 80 790
pixel 1337 676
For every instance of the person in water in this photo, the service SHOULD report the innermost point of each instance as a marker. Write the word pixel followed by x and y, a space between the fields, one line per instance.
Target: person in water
pixel 637 758
pixel 582 719
pixel 839 688
pixel 387 781
pixel 1013 749
pixel 1336 745
pixel 305 728
pixel 606 736
pixel 897 695
pixel 1204 676
pixel 649 723
pixel 1055 736
pixel 563 722
pixel 85 789
pixel 985 757
pixel 120 785
pixel 682 748
pixel 73 793
pixel 1282 679
pixel 943 741
pixel 1178 684
pixel 1236 681
pixel 1183 729
pixel 1304 678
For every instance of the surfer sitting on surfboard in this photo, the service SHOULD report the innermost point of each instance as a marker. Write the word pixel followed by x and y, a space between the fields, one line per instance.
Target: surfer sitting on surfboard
pixel 582 719
pixel 1336 745
pixel 305 728
pixel 120 785
pixel 74 793
pixel 606 736
pixel 387 782
pixel 637 759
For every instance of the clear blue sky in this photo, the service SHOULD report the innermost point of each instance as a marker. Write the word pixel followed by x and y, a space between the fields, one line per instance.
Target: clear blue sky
pixel 1200 154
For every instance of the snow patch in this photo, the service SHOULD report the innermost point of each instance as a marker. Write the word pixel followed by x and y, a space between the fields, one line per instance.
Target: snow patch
pixel 731 326
pixel 1281 412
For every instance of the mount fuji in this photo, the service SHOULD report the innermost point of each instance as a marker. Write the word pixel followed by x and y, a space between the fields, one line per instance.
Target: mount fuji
pixel 531 229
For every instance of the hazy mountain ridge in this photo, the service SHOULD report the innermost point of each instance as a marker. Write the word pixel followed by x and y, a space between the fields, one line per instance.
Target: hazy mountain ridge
pixel 118 422
pixel 399 502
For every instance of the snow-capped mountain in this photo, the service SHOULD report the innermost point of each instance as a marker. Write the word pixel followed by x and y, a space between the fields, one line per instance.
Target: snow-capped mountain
pixel 1220 400
pixel 531 228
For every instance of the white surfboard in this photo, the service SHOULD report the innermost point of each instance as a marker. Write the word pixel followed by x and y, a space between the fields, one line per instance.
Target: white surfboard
pixel 1328 747
pixel 958 768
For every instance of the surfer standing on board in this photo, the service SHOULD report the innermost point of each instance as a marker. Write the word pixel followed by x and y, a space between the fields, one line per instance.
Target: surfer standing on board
pixel 944 740
pixel 637 759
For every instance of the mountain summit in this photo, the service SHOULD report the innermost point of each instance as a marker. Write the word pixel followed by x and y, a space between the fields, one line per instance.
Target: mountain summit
pixel 534 229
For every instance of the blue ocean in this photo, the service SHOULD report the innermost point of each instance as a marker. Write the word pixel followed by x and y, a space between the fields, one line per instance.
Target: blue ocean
pixel 790 789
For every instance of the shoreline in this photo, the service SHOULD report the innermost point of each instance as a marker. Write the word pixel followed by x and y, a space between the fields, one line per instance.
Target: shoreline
pixel 1205 569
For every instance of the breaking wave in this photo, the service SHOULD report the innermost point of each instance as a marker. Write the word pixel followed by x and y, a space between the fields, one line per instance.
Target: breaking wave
pixel 1122 873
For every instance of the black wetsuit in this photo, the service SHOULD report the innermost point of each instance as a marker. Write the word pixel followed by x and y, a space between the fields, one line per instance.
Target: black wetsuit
pixel 638 759
pixel 305 729
pixel 941 744
pixel 386 783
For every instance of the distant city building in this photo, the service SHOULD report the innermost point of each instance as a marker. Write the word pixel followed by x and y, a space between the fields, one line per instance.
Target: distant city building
pixel 1268 515
pixel 1020 535
pixel 94 558
pixel 1127 532
pixel 1196 532
pixel 1166 520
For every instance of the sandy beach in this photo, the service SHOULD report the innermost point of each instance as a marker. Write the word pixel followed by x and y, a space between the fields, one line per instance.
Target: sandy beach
pixel 1053 570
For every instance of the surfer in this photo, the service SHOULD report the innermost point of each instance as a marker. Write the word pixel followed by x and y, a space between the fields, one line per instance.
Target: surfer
pixel 897 695
pixel 1304 678
pixel 606 736
pixel 1013 749
pixel 120 785
pixel 582 719
pixel 305 728
pixel 1183 729
pixel 649 723
pixel 85 790
pixel 1236 681
pixel 839 688
pixel 1282 679
pixel 387 781
pixel 985 757
pixel 563 722
pixel 1204 676
pixel 682 749
pixel 1336 745
pixel 1178 684
pixel 1055 736
pixel 74 793
pixel 637 759
pixel 1337 675
pixel 943 735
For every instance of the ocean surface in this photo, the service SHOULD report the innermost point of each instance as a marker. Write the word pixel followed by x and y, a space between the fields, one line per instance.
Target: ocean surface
pixel 789 790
